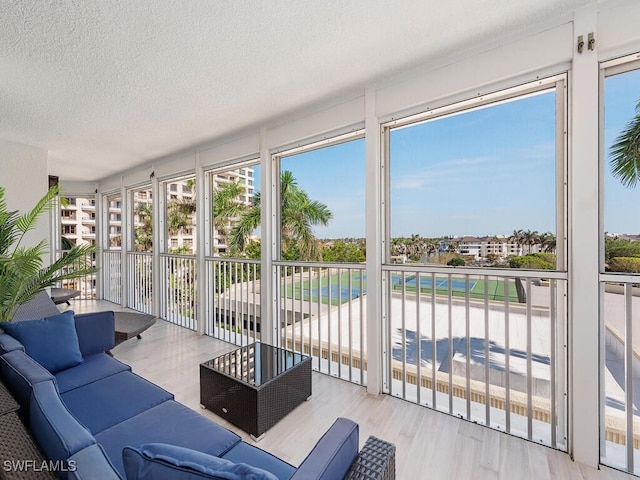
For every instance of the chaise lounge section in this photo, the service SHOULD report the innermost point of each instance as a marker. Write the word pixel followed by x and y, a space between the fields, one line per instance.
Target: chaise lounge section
pixel 89 411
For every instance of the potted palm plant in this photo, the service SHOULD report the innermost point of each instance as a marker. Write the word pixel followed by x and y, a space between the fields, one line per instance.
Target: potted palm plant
pixel 22 273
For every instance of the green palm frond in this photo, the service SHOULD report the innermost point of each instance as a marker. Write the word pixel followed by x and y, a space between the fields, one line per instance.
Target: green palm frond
pixel 624 154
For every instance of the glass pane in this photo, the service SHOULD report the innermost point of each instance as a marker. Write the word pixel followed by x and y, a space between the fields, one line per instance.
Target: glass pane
pixel 236 212
pixel 142 220
pixel 114 220
pixel 181 216
pixel 322 204
pixel 477 188
pixel 621 215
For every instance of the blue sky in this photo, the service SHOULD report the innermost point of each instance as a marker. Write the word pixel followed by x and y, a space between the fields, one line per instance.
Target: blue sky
pixel 622 93
pixel 485 172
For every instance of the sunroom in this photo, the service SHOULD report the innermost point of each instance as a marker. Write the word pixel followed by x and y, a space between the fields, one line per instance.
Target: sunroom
pixel 420 197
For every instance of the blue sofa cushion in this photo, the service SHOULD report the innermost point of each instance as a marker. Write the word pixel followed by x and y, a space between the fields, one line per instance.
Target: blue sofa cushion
pixel 333 455
pixel 58 434
pixel 159 460
pixel 50 341
pixel 91 463
pixel 107 402
pixel 95 367
pixel 96 332
pixel 20 373
pixel 169 422
pixel 246 453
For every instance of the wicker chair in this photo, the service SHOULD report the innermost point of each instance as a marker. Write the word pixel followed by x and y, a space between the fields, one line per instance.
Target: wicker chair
pixel 40 306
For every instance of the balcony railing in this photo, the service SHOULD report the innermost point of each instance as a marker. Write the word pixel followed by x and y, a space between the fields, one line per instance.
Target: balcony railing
pixel 86 284
pixel 322 314
pixel 179 290
pixel 484 346
pixel 140 281
pixel 233 300
pixel 620 371
pixel 112 275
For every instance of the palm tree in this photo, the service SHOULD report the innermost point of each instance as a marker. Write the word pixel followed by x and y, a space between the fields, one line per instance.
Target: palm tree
pixel 227 206
pixel 530 239
pixel 298 213
pixel 144 229
pixel 548 242
pixel 518 238
pixel 624 154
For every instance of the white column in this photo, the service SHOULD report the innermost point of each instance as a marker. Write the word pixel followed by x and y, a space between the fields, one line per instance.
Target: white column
pixel 202 229
pixel 268 302
pixel 101 233
pixel 126 242
pixel 158 206
pixel 583 247
pixel 375 236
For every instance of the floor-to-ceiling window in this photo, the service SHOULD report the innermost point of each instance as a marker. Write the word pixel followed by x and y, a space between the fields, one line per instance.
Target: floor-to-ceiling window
pixel 178 245
pixel 620 266
pixel 77 226
pixel 475 274
pixel 320 255
pixel 140 247
pixel 112 247
pixel 233 251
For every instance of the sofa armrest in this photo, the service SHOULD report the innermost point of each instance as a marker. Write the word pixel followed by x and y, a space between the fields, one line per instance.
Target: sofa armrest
pixel 9 344
pixel 55 429
pixel 20 373
pixel 333 455
pixel 376 461
pixel 96 332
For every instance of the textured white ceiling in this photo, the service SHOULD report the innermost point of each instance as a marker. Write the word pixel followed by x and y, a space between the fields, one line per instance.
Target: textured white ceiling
pixel 107 84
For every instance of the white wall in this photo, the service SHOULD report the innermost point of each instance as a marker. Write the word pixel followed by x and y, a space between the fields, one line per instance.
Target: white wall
pixel 25 178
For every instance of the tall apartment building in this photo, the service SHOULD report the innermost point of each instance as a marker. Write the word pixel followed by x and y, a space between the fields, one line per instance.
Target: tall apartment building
pixel 78 215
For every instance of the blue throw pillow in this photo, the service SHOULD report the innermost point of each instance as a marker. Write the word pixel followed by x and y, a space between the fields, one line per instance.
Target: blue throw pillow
pixel 51 341
pixel 159 460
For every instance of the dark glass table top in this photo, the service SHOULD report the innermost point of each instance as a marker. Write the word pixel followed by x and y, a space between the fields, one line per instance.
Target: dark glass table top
pixel 256 364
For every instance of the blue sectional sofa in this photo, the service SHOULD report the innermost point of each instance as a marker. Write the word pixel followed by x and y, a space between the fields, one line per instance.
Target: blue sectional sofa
pixel 90 411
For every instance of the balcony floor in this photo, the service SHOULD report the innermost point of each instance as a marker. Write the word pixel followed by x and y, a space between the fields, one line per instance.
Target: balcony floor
pixel 426 441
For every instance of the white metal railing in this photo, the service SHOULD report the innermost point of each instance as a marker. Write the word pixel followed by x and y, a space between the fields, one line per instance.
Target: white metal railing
pixel 232 303
pixel 484 345
pixel 86 284
pixel 322 314
pixel 140 281
pixel 179 290
pixel 620 371
pixel 112 275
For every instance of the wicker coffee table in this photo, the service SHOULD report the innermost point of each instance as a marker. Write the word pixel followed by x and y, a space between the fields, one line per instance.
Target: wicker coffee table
pixel 255 386
pixel 129 325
